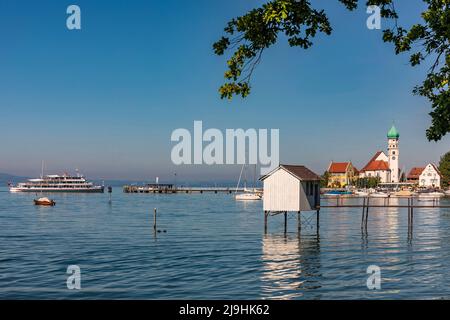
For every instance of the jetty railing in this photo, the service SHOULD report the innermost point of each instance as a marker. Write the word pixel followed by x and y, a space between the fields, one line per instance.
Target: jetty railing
pixel 365 206
pixel 386 204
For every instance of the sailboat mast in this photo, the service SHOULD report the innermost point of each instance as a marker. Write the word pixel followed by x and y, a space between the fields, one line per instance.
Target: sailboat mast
pixel 240 176
pixel 254 178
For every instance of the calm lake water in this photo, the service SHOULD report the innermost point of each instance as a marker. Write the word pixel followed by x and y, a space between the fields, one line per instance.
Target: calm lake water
pixel 215 248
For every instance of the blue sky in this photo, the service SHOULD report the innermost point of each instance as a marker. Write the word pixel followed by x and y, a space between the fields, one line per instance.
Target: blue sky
pixel 105 99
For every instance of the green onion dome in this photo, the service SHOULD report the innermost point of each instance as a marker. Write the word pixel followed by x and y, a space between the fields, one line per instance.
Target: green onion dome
pixel 393 133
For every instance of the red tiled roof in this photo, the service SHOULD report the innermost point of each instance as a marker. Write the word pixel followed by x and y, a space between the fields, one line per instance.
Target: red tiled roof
pixel 338 167
pixel 376 165
pixel 415 173
pixel 373 164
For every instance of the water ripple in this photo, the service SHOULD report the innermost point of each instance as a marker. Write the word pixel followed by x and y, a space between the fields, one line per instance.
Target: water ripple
pixel 214 248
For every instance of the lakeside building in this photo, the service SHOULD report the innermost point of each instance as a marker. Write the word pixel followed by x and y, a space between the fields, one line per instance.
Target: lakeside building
pixel 291 188
pixel 378 166
pixel 386 167
pixel 341 174
pixel 426 177
pixel 414 175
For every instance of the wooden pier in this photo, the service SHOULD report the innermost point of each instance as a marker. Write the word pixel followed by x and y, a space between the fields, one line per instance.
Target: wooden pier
pixel 170 189
pixel 365 206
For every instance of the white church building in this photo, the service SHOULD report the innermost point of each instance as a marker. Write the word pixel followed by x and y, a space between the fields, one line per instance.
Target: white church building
pixel 386 167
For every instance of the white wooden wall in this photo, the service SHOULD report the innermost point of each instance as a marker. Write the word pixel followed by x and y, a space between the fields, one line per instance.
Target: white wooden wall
pixel 281 192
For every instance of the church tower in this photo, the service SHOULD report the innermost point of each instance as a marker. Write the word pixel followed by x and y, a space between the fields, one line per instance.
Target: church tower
pixel 393 153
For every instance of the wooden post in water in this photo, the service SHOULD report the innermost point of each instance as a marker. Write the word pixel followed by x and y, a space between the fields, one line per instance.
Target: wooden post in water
pixel 299 221
pixel 409 213
pixel 110 192
pixel 367 212
pixel 363 212
pixel 154 220
pixel 285 221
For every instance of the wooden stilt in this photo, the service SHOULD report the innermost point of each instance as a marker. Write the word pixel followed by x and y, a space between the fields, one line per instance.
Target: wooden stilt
pixel 318 220
pixel 299 221
pixel 285 221
pixel 266 213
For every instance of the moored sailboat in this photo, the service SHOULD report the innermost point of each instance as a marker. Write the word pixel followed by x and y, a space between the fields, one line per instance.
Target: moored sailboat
pixel 251 195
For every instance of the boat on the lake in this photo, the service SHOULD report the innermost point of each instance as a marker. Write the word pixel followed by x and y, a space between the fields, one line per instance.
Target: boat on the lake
pixel 44 201
pixel 337 193
pixel 362 193
pixel 380 194
pixel 57 183
pixel 248 194
pixel 404 193
pixel 431 194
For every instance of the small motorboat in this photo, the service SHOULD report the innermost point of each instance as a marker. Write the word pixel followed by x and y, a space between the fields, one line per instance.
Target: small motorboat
pixel 248 196
pixel 447 193
pixel 362 193
pixel 434 194
pixel 44 201
pixel 404 193
pixel 337 193
pixel 380 195
pixel 429 199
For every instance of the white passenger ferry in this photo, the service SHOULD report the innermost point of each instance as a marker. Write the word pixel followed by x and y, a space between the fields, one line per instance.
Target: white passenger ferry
pixel 57 183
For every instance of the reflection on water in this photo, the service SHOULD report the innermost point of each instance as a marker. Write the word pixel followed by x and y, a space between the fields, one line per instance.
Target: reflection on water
pixel 215 248
pixel 291 265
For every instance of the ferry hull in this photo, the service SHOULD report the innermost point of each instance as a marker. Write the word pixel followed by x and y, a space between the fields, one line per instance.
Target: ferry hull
pixel 48 190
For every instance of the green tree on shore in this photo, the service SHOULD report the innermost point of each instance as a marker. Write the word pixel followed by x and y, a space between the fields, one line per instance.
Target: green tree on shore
pixel 325 178
pixel 249 35
pixel 444 168
pixel 368 182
